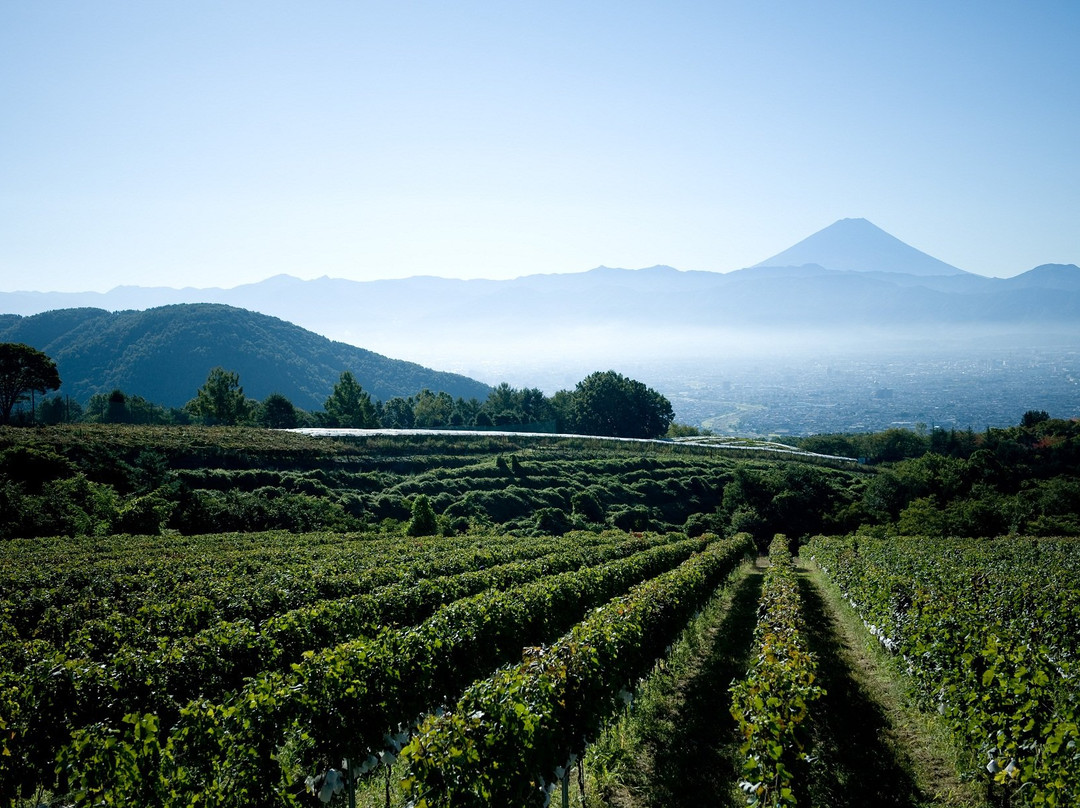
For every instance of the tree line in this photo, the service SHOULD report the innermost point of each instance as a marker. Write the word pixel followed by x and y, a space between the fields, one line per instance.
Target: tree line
pixel 1020 480
pixel 604 403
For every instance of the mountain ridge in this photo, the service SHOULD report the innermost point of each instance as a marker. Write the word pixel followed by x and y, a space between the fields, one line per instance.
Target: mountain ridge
pixel 165 354
pixel 610 316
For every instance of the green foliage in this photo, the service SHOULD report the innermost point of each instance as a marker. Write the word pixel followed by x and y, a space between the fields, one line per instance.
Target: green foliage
pixel 119 767
pixel 635 517
pixel 1001 483
pixel 34 467
pixel 203 511
pixel 512 736
pixel 507 406
pixel 772 703
pixel 697 524
pixel 586 504
pixel 397 413
pixel 838 445
pixel 67 688
pixel 341 700
pixel 1034 417
pixel 608 403
pixel 120 408
pixel 59 410
pixel 233 479
pixel 97 627
pixel 675 431
pixel 794 499
pixel 23 371
pixel 146 514
pixel 423 521
pixel 349 405
pixel 432 410
pixel 552 521
pixel 990 642
pixel 66 506
pixel 221 399
pixel 277 412
pixel 161 353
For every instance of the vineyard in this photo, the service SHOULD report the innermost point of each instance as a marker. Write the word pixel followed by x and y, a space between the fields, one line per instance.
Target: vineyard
pixel 988 630
pixel 575 623
pixel 242 669
pixel 277 668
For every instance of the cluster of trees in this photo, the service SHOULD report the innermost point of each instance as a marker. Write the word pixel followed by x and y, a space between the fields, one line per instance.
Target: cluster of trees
pixel 894 445
pixel 1022 480
pixel 604 403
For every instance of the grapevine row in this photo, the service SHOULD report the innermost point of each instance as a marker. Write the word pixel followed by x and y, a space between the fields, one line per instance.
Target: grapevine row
pixel 772 703
pixel 59 694
pixel 990 639
pixel 343 701
pixel 161 589
pixel 507 739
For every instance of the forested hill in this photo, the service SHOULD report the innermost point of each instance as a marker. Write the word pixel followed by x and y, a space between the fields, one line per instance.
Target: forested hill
pixel 164 355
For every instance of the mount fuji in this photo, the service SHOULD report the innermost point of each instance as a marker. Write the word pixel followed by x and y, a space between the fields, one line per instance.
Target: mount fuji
pixel 857 245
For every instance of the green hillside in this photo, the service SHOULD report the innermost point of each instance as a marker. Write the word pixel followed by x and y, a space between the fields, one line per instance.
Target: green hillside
pixel 164 354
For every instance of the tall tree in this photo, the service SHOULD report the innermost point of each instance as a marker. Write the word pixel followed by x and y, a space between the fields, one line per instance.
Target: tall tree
pixel 221 400
pixel 502 397
pixel 608 403
pixel 507 405
pixel 432 410
pixel 349 405
pixel 398 413
pixel 118 410
pixel 23 371
pixel 535 405
pixel 277 412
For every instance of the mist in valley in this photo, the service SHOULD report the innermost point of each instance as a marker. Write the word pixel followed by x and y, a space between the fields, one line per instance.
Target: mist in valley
pixel 784 382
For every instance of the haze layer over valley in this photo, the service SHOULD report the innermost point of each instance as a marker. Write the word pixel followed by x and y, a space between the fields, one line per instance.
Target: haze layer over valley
pixel 847 330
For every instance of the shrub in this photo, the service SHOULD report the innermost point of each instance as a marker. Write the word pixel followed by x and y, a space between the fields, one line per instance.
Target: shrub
pixel 586 504
pixel 145 514
pixel 636 518
pixel 552 521
pixel 423 522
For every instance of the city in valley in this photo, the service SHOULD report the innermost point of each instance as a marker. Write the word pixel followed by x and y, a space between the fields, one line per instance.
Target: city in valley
pixel 871 394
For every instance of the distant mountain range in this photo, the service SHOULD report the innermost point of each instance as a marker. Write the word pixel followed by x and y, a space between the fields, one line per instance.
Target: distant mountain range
pixel 164 355
pixel 850 282
pixel 851 272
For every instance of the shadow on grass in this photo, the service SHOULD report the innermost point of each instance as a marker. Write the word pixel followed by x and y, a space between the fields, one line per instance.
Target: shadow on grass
pixel 856 765
pixel 695 754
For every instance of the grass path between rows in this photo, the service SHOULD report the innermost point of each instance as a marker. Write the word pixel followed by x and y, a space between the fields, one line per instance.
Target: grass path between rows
pixel 679 746
pixel 872 746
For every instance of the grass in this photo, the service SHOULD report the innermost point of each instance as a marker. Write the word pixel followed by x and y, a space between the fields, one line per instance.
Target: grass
pixel 677 744
pixel 873 745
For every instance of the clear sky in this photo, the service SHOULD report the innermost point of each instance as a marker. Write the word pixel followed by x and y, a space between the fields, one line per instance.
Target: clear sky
pixel 217 143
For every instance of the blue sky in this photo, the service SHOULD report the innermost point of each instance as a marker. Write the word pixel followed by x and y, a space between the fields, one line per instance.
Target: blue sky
pixel 213 144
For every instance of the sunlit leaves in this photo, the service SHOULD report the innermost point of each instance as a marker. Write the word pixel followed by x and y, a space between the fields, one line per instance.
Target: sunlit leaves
pixel 771 704
pixel 990 631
